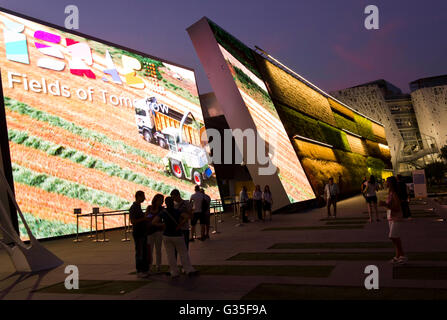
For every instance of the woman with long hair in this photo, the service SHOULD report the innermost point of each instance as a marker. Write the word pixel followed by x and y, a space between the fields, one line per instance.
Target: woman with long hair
pixel 173 238
pixel 394 215
pixel 155 232
pixel 371 187
pixel 268 201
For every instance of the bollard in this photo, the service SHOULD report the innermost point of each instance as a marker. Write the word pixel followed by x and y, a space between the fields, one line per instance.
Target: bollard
pixel 91 226
pixel 95 212
pixel 77 212
pixel 129 226
pixel 104 239
pixel 239 217
pixel 215 222
pixel 125 229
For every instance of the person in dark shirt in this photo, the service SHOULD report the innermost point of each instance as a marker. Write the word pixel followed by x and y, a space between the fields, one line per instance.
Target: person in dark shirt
pixel 402 192
pixel 138 220
pixel 173 238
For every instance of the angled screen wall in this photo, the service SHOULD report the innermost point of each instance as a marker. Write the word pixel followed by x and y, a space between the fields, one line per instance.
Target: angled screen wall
pixel 90 123
pixel 325 137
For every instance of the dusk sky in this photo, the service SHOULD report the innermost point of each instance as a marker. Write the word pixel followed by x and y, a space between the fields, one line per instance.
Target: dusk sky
pixel 324 41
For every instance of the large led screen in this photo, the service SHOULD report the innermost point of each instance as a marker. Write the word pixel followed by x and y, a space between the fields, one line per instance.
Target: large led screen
pixel 253 91
pixel 89 124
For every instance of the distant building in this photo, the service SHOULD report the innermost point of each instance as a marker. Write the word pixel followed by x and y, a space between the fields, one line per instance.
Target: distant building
pixel 429 97
pixel 415 124
pixel 370 100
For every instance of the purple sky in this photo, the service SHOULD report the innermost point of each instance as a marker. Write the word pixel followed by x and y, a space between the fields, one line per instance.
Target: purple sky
pixel 324 41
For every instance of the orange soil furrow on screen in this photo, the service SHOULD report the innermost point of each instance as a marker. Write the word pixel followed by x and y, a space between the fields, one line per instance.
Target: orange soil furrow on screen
pixel 52 206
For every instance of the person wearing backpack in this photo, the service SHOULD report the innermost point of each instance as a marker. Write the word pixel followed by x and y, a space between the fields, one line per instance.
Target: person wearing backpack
pixel 173 240
pixel 155 232
pixel 205 218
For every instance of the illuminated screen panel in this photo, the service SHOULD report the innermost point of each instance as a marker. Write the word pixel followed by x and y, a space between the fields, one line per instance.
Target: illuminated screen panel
pixel 89 124
pixel 264 114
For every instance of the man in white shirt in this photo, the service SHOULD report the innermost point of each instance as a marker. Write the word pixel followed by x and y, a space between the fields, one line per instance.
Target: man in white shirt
pixel 196 200
pixel 331 192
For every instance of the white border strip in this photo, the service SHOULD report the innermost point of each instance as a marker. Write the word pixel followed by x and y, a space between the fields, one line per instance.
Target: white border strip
pixel 312 140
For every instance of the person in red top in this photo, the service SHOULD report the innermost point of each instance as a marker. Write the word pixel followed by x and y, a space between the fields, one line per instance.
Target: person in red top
pixel 394 215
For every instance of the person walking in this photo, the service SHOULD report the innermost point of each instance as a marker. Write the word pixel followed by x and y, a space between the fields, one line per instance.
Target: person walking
pixel 139 233
pixel 331 193
pixel 243 200
pixel 267 201
pixel 206 215
pixel 371 189
pixel 394 215
pixel 155 232
pixel 173 239
pixel 196 200
pixel 257 198
pixel 402 192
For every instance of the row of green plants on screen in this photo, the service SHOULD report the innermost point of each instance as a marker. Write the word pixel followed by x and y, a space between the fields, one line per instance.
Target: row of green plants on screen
pixel 42 228
pixel 67 188
pixel 112 169
pixel 56 121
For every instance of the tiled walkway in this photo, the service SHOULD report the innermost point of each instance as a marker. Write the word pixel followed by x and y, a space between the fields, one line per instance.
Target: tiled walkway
pixel 366 242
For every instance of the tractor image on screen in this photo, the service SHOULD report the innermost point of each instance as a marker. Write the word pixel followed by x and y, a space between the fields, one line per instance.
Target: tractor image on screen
pixel 184 160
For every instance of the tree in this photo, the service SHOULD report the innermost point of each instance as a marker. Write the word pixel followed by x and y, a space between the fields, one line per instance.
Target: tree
pixel 435 171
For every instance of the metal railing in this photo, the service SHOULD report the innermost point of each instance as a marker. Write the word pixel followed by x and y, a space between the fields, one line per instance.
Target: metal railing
pixel 216 206
pixel 94 215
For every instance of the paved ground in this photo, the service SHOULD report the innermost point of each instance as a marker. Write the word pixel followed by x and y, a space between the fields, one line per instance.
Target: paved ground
pixel 114 260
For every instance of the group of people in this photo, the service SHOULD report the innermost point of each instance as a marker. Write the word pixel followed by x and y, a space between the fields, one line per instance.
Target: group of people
pixel 397 205
pixel 262 201
pixel 168 225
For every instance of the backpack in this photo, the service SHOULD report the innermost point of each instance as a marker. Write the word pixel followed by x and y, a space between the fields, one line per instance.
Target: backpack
pixel 205 205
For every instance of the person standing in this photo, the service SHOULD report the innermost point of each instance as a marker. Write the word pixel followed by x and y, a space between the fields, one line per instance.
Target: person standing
pixel 139 233
pixel 267 201
pixel 173 240
pixel 196 200
pixel 184 207
pixel 257 198
pixel 371 197
pixel 155 232
pixel 331 192
pixel 394 215
pixel 402 192
pixel 206 215
pixel 243 200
